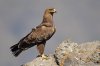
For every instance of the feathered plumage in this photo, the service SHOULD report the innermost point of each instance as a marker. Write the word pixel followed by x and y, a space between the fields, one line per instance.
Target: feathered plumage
pixel 38 36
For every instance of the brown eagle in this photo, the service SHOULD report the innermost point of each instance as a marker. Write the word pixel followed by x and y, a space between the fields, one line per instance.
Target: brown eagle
pixel 38 36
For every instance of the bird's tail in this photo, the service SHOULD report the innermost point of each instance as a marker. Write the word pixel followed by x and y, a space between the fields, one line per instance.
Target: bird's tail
pixel 15 50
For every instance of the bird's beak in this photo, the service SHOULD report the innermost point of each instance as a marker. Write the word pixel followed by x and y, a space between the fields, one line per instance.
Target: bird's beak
pixel 55 11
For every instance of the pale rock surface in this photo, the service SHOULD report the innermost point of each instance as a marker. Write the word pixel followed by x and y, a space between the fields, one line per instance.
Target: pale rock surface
pixel 50 61
pixel 69 53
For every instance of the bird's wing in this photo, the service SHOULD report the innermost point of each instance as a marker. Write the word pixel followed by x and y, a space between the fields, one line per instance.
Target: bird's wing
pixel 40 34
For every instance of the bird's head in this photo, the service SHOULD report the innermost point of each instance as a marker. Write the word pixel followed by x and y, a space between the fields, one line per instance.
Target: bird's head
pixel 48 14
pixel 50 10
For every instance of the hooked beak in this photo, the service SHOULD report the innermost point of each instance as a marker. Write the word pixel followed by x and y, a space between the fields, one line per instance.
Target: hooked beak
pixel 55 11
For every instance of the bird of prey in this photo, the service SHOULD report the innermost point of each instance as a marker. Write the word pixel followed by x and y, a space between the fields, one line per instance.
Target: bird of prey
pixel 38 36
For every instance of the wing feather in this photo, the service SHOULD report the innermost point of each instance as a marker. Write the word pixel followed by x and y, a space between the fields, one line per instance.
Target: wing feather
pixel 40 34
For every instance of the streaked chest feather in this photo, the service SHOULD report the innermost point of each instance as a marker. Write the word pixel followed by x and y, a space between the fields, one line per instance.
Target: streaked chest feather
pixel 48 29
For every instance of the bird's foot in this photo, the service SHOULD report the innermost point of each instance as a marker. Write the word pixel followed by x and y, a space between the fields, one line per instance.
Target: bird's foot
pixel 44 57
pixel 39 56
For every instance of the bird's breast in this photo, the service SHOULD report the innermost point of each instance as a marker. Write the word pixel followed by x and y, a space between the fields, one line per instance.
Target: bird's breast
pixel 48 32
pixel 48 29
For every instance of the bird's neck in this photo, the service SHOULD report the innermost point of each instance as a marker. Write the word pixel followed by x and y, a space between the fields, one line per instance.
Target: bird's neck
pixel 48 18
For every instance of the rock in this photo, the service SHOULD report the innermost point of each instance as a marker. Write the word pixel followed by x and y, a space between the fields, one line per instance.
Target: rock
pixel 72 54
pixel 69 53
pixel 64 51
pixel 50 61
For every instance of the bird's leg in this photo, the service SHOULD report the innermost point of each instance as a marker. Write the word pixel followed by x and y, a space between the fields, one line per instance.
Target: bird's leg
pixel 40 48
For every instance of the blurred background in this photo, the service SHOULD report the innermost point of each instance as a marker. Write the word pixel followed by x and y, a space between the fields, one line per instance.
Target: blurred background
pixel 77 20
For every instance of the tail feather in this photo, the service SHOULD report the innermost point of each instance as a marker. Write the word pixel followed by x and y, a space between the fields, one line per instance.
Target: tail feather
pixel 14 47
pixel 15 50
pixel 16 53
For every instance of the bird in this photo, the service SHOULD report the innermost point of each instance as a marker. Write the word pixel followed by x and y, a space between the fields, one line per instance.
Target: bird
pixel 37 36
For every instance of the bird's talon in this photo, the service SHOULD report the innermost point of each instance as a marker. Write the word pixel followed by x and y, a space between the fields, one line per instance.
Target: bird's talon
pixel 44 57
pixel 39 56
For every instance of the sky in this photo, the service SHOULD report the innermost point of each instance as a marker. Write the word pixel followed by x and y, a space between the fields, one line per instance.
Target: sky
pixel 77 20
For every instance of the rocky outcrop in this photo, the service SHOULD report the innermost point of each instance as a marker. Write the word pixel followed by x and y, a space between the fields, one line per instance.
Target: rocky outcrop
pixel 50 61
pixel 69 53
